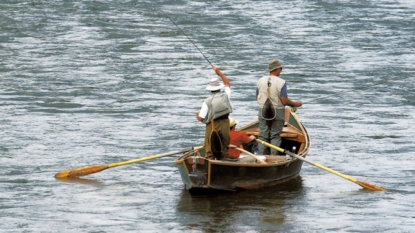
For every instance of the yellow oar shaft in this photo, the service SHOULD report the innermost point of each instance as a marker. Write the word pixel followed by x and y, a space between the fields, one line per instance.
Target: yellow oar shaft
pixel 83 171
pixel 151 157
pixel 137 160
pixel 335 172
pixel 361 183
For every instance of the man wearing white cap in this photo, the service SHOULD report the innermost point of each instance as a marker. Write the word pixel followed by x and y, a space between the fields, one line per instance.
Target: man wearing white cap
pixel 272 97
pixel 215 112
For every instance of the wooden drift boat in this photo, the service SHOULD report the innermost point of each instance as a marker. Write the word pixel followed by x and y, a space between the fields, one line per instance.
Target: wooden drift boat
pixel 201 175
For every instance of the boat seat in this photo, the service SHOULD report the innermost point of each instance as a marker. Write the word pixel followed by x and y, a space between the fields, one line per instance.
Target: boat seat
pixel 243 158
pixel 275 159
pixel 287 133
pixel 230 160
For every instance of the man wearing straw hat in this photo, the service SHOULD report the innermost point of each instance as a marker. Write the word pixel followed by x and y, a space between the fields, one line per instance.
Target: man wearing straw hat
pixel 214 113
pixel 237 139
pixel 272 97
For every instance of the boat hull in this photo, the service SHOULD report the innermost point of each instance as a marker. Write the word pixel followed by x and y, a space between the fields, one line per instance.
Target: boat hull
pixel 201 175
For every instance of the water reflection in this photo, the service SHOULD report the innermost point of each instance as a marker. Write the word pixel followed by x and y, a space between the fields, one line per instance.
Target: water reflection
pixel 260 209
pixel 83 181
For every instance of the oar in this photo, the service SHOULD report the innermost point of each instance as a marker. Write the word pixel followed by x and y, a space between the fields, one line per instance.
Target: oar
pixel 248 153
pixel 361 183
pixel 83 171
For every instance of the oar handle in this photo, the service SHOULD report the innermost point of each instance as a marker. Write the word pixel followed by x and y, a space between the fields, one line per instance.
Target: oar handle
pixel 248 153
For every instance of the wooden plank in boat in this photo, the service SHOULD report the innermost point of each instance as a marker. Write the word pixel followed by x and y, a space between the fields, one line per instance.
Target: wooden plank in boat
pixel 290 133
pixel 199 160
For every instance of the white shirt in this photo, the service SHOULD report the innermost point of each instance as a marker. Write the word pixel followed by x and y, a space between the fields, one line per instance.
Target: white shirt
pixel 204 110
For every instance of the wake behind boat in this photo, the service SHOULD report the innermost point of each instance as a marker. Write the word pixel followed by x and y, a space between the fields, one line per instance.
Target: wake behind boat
pixel 203 175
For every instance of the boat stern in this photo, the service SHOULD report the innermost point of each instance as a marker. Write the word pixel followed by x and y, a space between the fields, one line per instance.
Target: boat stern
pixel 193 169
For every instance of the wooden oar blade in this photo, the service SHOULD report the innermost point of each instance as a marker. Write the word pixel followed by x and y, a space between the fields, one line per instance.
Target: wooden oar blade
pixel 83 171
pixel 370 186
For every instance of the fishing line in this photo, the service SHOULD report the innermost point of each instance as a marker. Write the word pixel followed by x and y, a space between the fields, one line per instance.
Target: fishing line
pixel 342 92
pixel 324 97
pixel 187 37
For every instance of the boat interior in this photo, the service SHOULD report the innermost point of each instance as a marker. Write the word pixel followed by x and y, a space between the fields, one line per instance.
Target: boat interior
pixel 294 138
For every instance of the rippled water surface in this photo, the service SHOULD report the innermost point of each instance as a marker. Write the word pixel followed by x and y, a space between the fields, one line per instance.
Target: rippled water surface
pixel 98 82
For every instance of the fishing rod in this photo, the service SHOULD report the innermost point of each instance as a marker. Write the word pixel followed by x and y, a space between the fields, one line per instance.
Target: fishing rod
pixel 324 97
pixel 186 36
pixel 342 92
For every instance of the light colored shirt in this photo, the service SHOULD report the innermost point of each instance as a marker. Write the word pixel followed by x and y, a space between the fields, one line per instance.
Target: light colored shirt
pixel 204 110
pixel 276 87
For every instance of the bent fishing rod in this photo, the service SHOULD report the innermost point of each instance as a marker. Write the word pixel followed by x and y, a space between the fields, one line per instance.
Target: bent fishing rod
pixel 324 97
pixel 186 36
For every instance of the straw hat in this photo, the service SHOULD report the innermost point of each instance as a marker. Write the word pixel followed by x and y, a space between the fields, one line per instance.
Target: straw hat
pixel 232 122
pixel 215 85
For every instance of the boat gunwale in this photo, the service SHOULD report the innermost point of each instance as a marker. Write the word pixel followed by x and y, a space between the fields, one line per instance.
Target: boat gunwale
pixel 235 164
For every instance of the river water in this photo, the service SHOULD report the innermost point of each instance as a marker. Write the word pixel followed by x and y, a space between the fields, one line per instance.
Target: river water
pixel 98 82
